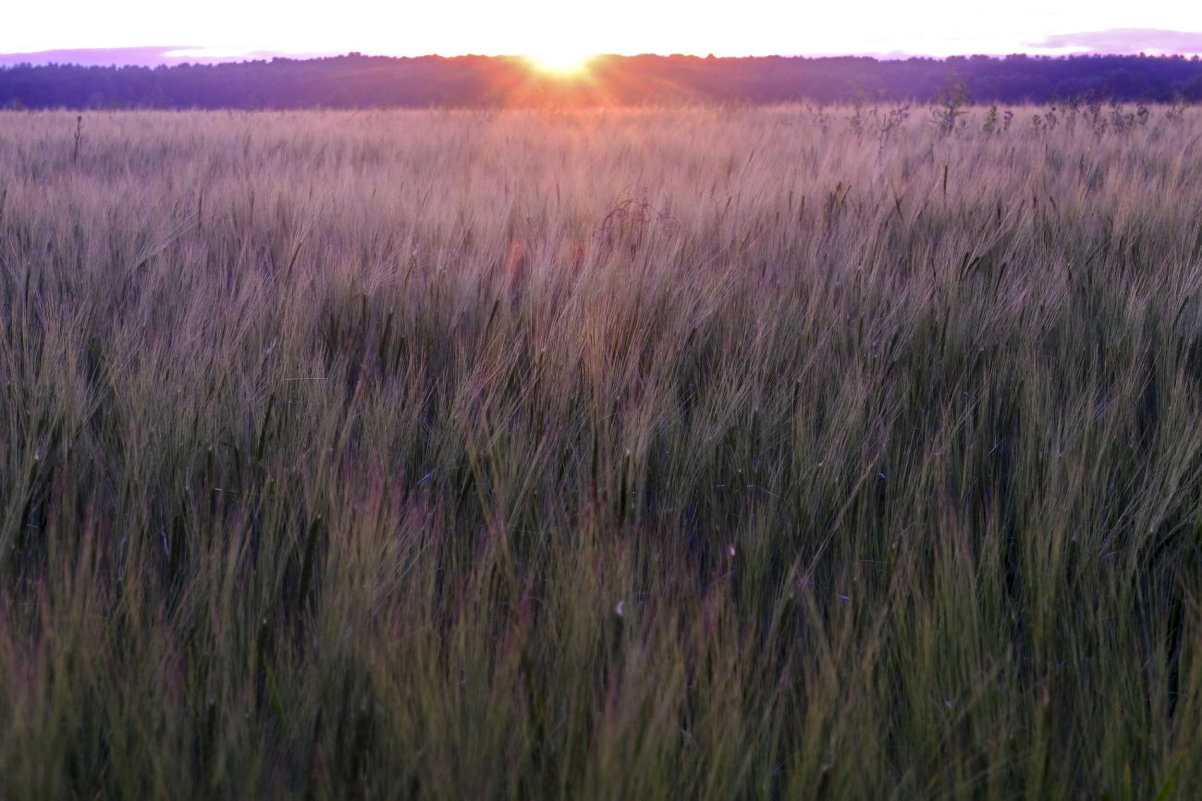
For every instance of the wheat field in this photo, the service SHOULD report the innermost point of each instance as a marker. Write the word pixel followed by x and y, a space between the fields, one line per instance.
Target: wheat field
pixel 678 453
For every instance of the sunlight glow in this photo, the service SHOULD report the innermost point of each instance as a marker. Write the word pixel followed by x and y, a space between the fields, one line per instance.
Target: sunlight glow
pixel 563 62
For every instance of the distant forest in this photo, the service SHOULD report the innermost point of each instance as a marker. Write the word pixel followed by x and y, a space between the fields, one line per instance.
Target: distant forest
pixel 357 81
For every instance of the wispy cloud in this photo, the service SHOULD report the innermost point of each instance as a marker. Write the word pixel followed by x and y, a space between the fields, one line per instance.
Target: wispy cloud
pixel 145 56
pixel 1124 41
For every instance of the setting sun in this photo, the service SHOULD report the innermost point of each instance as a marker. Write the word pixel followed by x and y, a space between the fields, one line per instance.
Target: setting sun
pixel 564 61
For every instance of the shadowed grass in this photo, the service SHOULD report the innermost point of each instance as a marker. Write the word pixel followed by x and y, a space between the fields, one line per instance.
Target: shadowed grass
pixel 691 453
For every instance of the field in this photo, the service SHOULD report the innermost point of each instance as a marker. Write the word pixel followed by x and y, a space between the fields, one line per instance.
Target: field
pixel 682 453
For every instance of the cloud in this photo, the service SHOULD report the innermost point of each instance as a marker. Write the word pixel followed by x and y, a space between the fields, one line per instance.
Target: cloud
pixel 1124 41
pixel 143 56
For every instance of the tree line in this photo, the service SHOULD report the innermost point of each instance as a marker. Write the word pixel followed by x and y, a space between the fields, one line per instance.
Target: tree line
pixel 358 81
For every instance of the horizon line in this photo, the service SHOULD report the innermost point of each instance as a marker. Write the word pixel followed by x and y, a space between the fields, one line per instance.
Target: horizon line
pixel 1114 42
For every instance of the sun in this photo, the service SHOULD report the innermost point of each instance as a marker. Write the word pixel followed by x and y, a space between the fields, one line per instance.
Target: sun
pixel 560 61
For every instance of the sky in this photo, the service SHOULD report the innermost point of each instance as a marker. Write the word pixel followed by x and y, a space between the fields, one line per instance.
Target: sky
pixel 162 31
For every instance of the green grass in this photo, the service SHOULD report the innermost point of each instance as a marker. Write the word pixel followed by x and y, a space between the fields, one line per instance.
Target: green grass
pixel 682 453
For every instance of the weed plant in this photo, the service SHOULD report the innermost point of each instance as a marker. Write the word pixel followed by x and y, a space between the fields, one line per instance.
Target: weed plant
pixel 653 454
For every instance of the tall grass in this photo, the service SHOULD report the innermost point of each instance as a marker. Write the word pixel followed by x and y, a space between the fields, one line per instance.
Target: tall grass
pixel 693 453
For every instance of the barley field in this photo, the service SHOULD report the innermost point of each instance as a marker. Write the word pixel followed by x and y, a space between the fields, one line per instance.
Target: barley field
pixel 678 453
